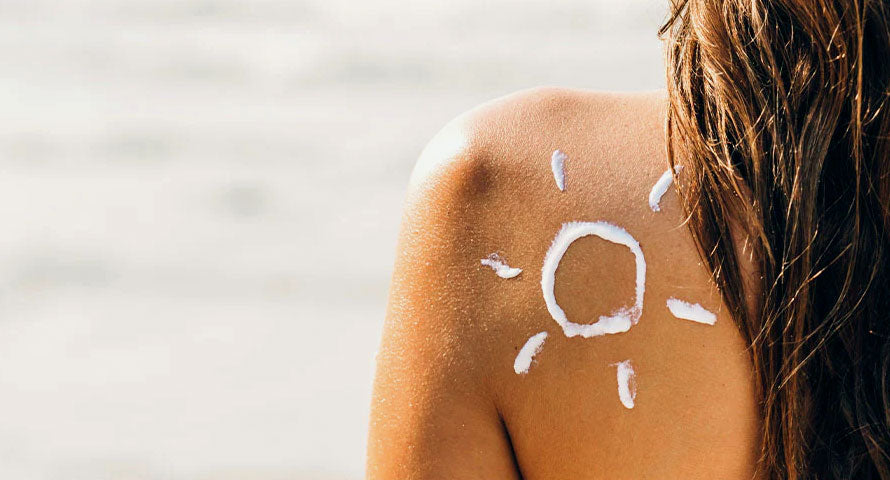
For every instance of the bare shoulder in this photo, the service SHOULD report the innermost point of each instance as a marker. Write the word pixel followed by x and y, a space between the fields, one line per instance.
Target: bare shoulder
pixel 485 189
pixel 508 131
pixel 528 220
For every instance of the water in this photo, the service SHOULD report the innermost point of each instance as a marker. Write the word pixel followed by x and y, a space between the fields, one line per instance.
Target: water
pixel 200 200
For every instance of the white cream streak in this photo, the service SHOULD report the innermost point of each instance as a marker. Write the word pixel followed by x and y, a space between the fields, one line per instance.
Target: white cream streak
pixel 620 320
pixel 660 187
pixel 500 268
pixel 557 164
pixel 627 383
pixel 689 311
pixel 527 353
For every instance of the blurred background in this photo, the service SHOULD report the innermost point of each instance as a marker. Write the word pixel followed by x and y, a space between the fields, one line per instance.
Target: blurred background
pixel 199 203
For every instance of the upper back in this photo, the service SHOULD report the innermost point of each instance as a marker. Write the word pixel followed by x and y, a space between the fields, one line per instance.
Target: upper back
pixel 486 186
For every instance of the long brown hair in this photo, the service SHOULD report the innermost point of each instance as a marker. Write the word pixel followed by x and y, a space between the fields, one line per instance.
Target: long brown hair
pixel 778 109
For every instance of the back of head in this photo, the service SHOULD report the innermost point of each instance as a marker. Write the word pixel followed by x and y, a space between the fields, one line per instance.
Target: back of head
pixel 778 109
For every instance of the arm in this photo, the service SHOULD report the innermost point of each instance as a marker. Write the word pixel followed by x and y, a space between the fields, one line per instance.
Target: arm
pixel 433 414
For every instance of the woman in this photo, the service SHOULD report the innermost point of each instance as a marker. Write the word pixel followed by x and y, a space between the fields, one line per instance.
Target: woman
pixel 758 345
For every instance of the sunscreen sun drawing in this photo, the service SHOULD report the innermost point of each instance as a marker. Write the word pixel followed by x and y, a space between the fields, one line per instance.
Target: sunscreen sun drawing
pixel 620 320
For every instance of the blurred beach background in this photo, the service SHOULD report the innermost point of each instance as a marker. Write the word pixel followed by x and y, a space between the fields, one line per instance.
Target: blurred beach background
pixel 200 201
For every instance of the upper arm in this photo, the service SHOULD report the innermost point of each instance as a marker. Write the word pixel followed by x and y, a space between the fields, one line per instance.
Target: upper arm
pixel 433 415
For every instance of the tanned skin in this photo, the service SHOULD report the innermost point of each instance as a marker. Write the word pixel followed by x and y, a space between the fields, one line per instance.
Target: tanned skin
pixel 447 403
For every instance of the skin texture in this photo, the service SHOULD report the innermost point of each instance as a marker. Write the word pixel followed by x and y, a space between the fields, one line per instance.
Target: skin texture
pixel 447 403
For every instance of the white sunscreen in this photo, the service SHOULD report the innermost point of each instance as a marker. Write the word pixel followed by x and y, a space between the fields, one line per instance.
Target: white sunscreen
pixel 627 383
pixel 689 311
pixel 620 320
pixel 557 164
pixel 500 268
pixel 660 187
pixel 527 353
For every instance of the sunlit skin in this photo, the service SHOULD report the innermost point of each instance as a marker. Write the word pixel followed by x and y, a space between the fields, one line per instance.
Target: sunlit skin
pixel 447 403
